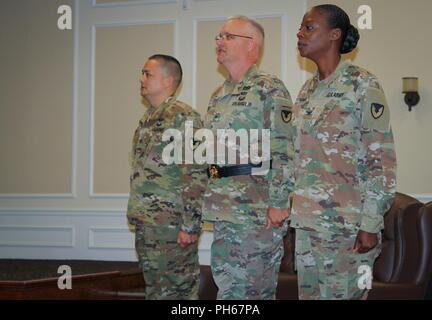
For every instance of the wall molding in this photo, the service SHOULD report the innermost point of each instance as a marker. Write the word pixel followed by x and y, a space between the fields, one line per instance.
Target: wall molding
pixel 44 232
pixel 423 197
pixel 72 193
pixel 37 195
pixel 110 233
pixel 108 195
pixel 76 26
pixel 119 24
pixel 130 3
pixel 73 233
pixel 109 211
pixel 61 212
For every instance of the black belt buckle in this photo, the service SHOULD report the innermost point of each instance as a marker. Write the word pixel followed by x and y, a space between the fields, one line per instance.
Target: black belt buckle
pixel 213 172
pixel 217 172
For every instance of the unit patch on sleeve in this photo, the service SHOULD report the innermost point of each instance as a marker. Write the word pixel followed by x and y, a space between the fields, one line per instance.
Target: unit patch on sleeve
pixel 375 111
pixel 286 115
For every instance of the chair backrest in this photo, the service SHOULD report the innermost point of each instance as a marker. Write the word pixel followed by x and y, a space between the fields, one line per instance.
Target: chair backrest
pixel 287 263
pixel 421 241
pixel 406 256
pixel 389 264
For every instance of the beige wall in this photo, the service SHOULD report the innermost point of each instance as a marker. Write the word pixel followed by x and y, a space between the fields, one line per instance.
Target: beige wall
pixel 120 54
pixel 36 88
pixel 64 164
pixel 399 45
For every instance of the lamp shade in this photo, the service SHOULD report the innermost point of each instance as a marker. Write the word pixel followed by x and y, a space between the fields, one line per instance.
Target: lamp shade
pixel 409 84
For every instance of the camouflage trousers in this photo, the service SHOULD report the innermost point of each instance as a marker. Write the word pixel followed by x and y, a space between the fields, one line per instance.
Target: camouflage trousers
pixel 328 269
pixel 170 271
pixel 245 260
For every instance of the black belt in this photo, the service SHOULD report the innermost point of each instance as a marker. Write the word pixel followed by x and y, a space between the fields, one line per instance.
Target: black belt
pixel 215 171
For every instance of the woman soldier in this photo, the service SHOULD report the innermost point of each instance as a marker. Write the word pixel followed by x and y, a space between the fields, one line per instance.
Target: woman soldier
pixel 345 163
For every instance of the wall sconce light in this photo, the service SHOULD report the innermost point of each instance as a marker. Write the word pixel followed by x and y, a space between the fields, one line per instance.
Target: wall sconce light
pixel 410 88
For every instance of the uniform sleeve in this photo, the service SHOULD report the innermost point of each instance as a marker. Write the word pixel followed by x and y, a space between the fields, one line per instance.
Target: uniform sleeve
pixel 132 153
pixel 281 176
pixel 194 179
pixel 377 161
pixel 132 163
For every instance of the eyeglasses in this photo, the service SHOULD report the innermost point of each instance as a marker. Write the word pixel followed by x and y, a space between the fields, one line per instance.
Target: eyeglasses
pixel 229 36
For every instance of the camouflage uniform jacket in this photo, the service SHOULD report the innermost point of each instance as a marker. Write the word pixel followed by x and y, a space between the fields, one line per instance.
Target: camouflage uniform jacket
pixel 160 193
pixel 257 101
pixel 345 160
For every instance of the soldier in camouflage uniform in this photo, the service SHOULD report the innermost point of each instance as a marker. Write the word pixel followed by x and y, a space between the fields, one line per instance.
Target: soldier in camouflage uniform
pixel 345 163
pixel 165 199
pixel 248 211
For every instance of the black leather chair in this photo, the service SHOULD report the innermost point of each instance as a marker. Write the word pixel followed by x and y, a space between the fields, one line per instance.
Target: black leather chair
pixel 402 271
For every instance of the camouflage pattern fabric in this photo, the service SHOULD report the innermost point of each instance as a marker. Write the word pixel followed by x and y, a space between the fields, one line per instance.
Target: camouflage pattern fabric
pixel 327 267
pixel 170 271
pixel 245 262
pixel 345 160
pixel 257 101
pixel 245 256
pixel 164 199
pixel 345 177
pixel 162 194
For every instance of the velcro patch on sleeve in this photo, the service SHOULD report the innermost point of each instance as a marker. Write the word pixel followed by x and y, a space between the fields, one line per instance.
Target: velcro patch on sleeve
pixel 375 113
pixel 283 110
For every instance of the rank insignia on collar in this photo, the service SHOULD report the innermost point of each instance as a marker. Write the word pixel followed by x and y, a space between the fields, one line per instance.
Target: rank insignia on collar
pixel 286 115
pixel 216 116
pixel 377 110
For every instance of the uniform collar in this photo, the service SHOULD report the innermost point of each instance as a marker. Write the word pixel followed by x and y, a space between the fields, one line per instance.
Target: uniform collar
pixel 342 65
pixel 252 71
pixel 160 109
pixel 168 100
pixel 320 111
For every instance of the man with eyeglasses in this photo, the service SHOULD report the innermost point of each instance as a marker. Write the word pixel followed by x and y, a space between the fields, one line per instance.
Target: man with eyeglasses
pixel 249 211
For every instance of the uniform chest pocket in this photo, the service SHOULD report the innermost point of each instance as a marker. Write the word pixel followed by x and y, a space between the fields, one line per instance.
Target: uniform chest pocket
pixel 242 99
pixel 339 126
pixel 157 129
pixel 157 124
pixel 247 111
pixel 344 118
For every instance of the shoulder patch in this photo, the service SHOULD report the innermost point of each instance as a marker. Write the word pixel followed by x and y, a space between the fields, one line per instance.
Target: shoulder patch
pixel 286 115
pixel 283 109
pixel 375 111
